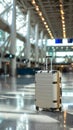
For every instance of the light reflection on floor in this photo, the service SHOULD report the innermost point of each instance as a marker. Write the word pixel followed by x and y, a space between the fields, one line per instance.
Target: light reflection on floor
pixel 17 103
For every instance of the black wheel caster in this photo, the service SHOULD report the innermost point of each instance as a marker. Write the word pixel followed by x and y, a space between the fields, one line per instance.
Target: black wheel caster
pixel 37 108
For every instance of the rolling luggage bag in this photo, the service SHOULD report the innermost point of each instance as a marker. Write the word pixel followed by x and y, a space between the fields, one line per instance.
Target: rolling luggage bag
pixel 48 90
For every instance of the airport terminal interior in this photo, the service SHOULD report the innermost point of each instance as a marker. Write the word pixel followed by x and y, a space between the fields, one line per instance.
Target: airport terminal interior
pixel 36 65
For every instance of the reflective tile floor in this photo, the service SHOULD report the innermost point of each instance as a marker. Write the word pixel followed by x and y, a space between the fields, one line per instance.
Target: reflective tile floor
pixel 18 110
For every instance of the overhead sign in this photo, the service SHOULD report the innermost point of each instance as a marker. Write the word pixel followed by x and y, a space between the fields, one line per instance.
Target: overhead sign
pixel 60 42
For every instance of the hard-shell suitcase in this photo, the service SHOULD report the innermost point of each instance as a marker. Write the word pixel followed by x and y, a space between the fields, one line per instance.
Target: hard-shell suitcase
pixel 48 90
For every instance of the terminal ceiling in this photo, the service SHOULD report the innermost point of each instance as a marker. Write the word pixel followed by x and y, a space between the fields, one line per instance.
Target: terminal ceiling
pixel 51 11
pixel 54 16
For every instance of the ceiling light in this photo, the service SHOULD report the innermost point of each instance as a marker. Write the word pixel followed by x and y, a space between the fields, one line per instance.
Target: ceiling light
pixel 62 17
pixel 33 1
pixel 60 5
pixel 46 26
pixel 63 25
pixel 37 8
pixel 64 30
pixel 62 12
pixel 45 23
pixel 64 35
pixel 63 21
pixel 43 19
pixel 48 29
pixel 40 13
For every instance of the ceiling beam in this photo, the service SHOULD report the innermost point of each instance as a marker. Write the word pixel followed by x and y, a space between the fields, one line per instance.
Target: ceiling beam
pixel 5 27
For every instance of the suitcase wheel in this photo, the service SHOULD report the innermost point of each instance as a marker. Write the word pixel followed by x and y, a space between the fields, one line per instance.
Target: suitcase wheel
pixel 37 108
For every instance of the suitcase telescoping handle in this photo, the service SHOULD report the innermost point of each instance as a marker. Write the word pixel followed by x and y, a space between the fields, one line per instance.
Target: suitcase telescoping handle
pixel 47 57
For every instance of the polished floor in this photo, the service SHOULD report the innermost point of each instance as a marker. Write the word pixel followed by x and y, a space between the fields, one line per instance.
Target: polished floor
pixel 18 109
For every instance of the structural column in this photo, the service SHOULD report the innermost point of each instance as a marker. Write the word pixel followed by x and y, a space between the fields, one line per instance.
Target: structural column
pixel 13 40
pixel 36 46
pixel 41 46
pixel 45 46
pixel 45 58
pixel 28 46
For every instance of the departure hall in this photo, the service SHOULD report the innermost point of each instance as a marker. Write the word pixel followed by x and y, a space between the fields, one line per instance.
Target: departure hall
pixel 36 65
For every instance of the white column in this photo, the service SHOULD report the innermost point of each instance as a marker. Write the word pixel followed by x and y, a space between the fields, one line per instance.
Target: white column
pixel 46 60
pixel 28 46
pixel 36 46
pixel 41 46
pixel 45 46
pixel 13 39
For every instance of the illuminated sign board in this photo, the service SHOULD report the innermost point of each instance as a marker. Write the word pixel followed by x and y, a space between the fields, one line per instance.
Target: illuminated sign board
pixel 60 42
